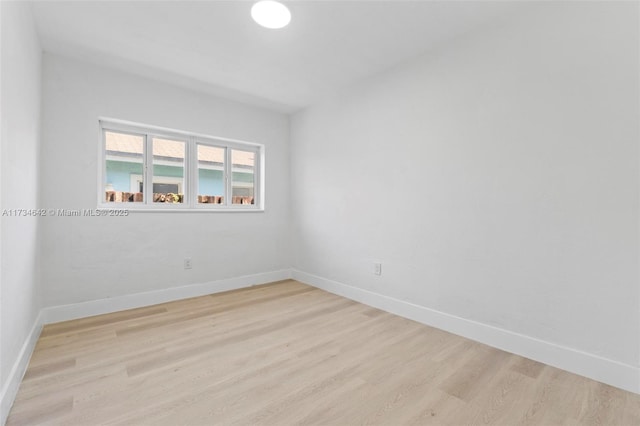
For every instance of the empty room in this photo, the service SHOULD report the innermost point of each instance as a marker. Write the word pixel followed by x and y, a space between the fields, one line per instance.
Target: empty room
pixel 320 212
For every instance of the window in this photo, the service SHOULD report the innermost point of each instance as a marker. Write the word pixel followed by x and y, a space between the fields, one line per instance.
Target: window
pixel 211 174
pixel 159 169
pixel 242 178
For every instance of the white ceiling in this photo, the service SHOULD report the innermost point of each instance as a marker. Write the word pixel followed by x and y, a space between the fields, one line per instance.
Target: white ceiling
pixel 214 46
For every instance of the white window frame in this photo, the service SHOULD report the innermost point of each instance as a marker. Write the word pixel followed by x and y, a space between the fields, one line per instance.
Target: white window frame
pixel 190 183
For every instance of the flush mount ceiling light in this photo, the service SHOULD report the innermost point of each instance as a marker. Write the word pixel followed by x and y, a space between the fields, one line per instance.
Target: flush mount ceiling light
pixel 271 14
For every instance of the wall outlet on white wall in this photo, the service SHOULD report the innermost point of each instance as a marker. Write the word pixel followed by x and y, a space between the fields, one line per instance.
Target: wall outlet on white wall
pixel 187 263
pixel 377 268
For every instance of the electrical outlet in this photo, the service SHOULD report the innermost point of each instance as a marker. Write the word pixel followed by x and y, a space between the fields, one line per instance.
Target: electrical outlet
pixel 377 268
pixel 187 263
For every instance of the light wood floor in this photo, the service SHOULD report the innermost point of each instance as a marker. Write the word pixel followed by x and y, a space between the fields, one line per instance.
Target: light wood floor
pixel 285 354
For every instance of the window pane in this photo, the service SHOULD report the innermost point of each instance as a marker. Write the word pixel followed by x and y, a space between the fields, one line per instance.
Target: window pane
pixel 124 167
pixel 210 175
pixel 242 177
pixel 168 171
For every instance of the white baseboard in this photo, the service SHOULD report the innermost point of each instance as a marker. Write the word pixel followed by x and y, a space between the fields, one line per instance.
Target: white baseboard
pixel 10 388
pixel 604 370
pixel 120 303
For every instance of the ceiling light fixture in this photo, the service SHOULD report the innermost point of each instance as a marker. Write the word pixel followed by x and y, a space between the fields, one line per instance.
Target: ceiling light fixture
pixel 271 14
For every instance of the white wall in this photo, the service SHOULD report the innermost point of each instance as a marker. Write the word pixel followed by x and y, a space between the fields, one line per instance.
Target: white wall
pixel 496 180
pixel 20 123
pixel 88 258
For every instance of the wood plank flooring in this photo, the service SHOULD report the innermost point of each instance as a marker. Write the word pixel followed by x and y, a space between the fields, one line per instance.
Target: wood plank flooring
pixel 286 353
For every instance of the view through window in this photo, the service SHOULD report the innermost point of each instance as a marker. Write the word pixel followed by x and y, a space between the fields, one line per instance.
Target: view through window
pixel 154 169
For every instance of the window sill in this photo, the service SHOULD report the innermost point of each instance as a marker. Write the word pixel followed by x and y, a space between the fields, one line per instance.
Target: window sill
pixel 180 210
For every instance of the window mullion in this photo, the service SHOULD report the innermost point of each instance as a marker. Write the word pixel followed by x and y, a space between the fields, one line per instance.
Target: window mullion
pixel 102 182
